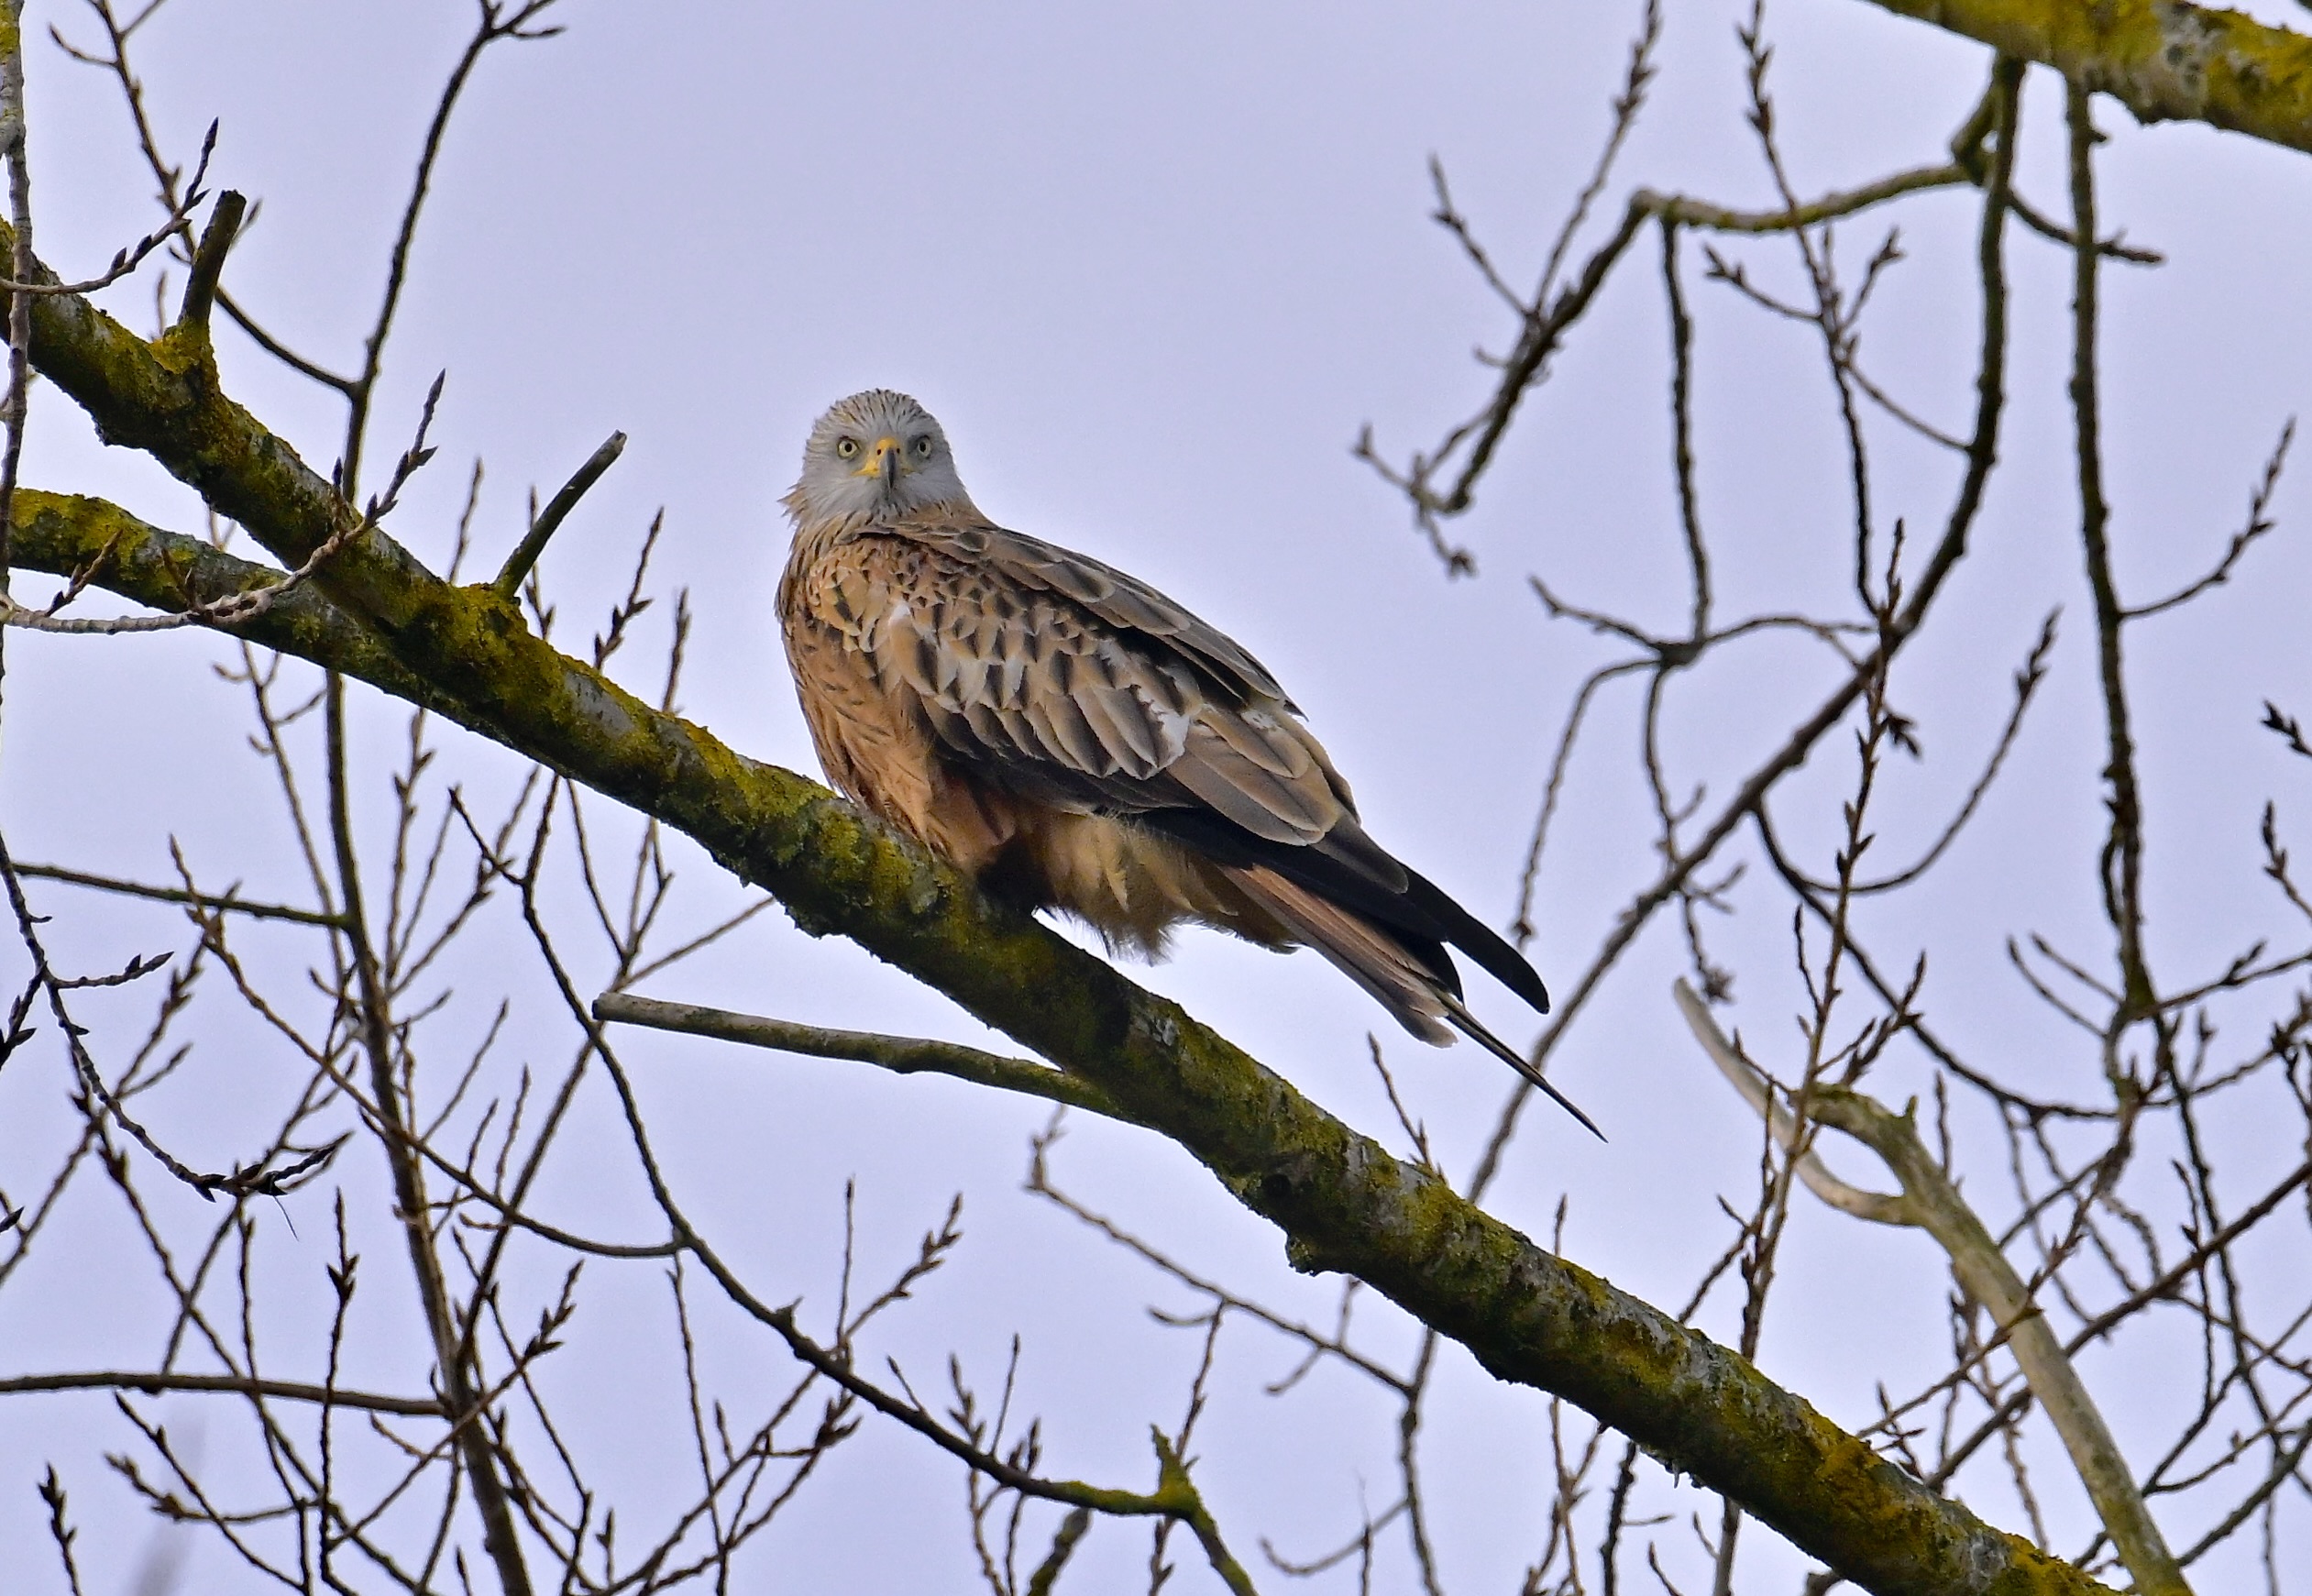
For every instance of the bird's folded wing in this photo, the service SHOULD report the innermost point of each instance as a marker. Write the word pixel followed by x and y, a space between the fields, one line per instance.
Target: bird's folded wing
pixel 1071 700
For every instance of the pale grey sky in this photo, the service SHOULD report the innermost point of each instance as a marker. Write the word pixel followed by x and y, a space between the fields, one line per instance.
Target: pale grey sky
pixel 1153 268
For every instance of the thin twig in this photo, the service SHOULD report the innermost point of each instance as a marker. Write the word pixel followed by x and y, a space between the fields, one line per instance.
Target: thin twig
pixel 902 1055
pixel 543 527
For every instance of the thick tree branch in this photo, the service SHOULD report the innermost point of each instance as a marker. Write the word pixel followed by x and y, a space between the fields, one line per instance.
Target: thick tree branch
pixel 2163 59
pixel 1931 1202
pixel 1343 1202
pixel 1983 1270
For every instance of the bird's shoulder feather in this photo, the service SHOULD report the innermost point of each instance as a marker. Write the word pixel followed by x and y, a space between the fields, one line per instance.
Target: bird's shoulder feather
pixel 1121 599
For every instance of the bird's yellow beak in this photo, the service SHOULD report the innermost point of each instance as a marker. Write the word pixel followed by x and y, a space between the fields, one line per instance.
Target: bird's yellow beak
pixel 883 460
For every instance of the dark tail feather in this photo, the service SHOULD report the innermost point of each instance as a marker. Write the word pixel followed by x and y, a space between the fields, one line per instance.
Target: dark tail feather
pixel 1479 940
pixel 1399 980
pixel 1412 981
pixel 1351 870
pixel 1467 1024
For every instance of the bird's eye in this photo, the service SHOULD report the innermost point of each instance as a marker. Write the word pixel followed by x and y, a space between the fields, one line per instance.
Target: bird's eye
pixel 923 448
pixel 846 448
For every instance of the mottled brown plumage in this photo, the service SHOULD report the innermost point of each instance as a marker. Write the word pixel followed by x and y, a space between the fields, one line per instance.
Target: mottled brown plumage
pixel 1077 741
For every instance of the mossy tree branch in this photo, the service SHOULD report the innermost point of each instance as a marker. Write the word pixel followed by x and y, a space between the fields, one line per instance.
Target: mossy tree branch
pixel 375 612
pixel 2164 60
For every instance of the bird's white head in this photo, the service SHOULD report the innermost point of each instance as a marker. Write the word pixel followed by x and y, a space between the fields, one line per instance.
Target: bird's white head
pixel 874 456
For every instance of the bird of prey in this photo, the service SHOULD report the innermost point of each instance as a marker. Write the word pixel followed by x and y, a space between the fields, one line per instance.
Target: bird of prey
pixel 1074 740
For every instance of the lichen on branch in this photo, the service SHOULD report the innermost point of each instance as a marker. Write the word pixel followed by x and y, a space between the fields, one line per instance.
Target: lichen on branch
pixel 2164 60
